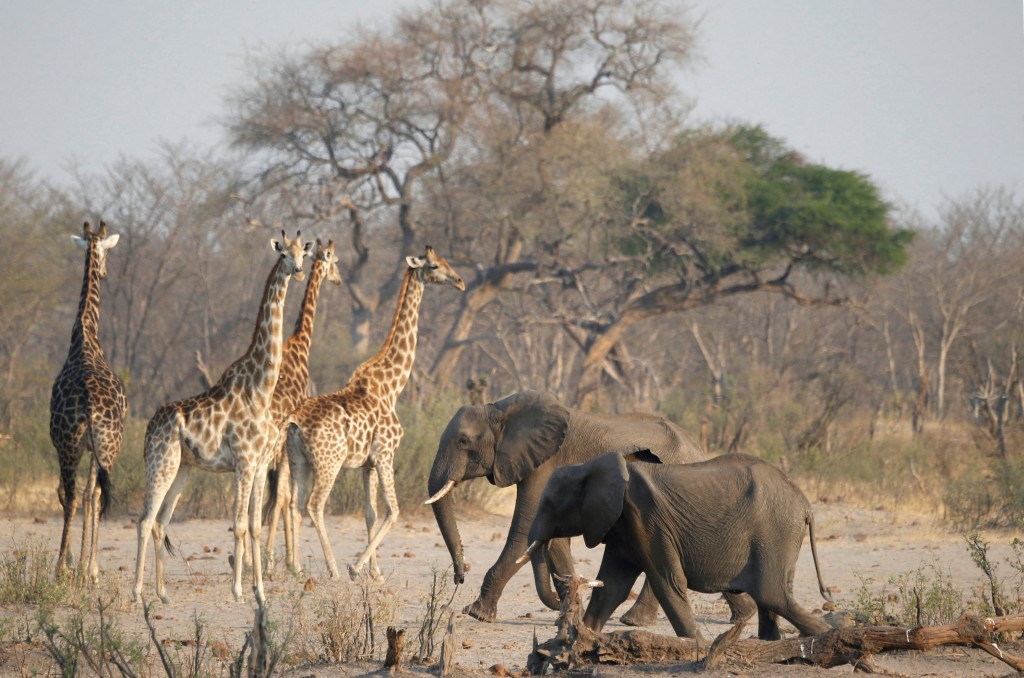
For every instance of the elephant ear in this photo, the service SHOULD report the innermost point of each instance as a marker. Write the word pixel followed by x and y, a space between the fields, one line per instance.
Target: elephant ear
pixel 604 492
pixel 638 453
pixel 529 427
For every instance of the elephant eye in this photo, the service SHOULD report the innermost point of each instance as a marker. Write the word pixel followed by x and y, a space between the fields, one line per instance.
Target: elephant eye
pixel 463 441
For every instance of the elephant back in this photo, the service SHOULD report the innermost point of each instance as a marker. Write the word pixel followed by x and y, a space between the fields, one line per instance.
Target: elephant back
pixel 593 434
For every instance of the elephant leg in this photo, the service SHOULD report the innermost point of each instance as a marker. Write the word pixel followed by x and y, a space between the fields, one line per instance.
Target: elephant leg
pixel 782 604
pixel 528 491
pixel 618 575
pixel 645 610
pixel 669 585
pixel 767 624
pixel 741 605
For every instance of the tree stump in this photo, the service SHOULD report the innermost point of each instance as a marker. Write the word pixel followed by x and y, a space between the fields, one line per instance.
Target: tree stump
pixel 396 643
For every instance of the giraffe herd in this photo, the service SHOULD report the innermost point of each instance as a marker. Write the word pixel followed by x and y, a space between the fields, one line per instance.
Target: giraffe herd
pixel 256 416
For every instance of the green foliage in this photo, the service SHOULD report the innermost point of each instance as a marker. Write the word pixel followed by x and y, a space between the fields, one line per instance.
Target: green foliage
pixel 740 199
pixel 921 597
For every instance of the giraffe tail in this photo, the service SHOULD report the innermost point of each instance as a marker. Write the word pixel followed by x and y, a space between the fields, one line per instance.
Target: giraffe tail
pixel 169 546
pixel 106 488
pixel 273 478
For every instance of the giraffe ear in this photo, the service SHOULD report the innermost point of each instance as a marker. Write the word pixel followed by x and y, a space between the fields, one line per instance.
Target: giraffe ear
pixel 415 262
pixel 276 244
pixel 109 242
pixel 308 247
pixel 80 241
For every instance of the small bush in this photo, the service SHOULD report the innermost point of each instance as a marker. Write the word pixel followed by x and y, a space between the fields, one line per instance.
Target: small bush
pixel 26 577
pixel 347 625
pixel 922 597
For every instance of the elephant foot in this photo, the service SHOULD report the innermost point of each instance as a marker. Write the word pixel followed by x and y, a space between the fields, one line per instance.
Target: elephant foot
pixel 481 611
pixel 639 615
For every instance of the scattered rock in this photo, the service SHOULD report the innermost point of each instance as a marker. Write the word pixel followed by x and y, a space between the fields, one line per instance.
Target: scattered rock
pixel 500 670
pixel 408 554
pixel 309 585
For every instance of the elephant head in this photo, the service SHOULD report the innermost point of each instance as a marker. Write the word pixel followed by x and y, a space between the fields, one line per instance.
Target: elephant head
pixel 503 441
pixel 584 499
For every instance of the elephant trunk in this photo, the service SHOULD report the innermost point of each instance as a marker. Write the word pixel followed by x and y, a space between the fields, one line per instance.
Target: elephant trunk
pixel 444 513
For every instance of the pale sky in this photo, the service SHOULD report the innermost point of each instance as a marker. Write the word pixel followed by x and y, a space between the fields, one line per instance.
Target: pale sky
pixel 925 96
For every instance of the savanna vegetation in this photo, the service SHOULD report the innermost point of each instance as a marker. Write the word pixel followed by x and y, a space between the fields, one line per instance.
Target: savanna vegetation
pixel 615 253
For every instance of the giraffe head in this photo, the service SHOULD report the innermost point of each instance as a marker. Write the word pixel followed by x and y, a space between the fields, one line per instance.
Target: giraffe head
pixel 97 243
pixel 435 269
pixel 292 253
pixel 325 253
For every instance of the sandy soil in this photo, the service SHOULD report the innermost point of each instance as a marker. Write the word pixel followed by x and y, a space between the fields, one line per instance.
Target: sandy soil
pixel 855 545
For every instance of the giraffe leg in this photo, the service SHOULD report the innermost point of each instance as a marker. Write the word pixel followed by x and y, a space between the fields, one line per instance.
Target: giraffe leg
pixel 256 530
pixel 94 538
pixel 280 494
pixel 68 497
pixel 300 482
pixel 322 484
pixel 163 458
pixel 89 508
pixel 387 481
pixel 163 519
pixel 244 478
pixel 370 516
pixel 285 500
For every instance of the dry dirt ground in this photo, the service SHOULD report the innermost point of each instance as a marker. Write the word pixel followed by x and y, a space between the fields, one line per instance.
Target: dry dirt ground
pixel 856 546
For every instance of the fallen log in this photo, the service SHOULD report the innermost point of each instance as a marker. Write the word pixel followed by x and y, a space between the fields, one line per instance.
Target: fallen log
pixel 575 645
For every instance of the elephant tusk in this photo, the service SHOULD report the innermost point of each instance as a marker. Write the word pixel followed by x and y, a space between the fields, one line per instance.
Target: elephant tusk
pixel 443 491
pixel 529 550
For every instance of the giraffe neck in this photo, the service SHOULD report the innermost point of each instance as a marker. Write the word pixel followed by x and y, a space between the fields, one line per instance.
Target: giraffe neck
pixel 302 337
pixel 84 334
pixel 260 366
pixel 389 370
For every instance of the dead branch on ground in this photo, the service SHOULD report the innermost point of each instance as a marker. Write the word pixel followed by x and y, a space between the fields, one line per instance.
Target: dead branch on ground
pixel 575 645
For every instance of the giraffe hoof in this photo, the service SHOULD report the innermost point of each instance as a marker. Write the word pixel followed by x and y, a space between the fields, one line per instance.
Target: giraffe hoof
pixel 353 573
pixel 166 600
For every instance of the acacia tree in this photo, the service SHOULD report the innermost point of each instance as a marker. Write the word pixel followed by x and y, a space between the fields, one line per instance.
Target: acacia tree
pixel 755 218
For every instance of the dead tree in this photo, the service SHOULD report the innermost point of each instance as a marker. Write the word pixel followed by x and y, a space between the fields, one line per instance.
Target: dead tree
pixel 575 645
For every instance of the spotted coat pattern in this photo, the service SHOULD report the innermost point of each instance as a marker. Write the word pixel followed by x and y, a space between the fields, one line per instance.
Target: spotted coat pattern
pixel 357 427
pixel 292 388
pixel 226 428
pixel 87 409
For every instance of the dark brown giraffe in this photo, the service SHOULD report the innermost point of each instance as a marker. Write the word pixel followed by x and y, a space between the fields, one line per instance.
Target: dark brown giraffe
pixel 87 409
pixel 227 428
pixel 292 388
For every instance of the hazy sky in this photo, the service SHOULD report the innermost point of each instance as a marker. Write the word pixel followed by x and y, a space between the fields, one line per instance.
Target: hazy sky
pixel 925 96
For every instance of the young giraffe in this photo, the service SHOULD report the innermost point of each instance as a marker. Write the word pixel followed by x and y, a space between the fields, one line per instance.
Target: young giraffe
pixel 226 428
pixel 87 408
pixel 357 426
pixel 291 390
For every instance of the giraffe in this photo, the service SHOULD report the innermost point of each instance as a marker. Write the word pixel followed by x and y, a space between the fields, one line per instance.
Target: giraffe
pixel 225 428
pixel 291 390
pixel 357 427
pixel 87 408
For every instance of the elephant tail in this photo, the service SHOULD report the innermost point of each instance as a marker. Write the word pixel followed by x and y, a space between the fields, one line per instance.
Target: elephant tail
pixel 809 518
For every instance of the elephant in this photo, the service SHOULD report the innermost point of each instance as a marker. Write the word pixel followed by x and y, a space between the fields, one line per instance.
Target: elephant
pixel 732 524
pixel 520 440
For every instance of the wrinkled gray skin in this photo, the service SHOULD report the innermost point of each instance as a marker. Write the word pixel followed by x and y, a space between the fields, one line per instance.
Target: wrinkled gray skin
pixel 731 524
pixel 520 440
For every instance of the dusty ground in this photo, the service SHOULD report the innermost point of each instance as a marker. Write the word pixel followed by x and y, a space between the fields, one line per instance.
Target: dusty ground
pixel 855 546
